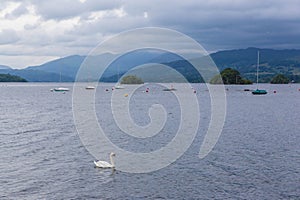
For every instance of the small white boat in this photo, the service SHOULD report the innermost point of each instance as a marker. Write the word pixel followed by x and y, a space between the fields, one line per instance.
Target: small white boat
pixel 61 89
pixel 170 89
pixel 119 87
pixel 89 87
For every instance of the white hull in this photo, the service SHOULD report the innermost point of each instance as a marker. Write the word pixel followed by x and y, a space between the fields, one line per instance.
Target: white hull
pixel 119 87
pixel 61 89
pixel 90 87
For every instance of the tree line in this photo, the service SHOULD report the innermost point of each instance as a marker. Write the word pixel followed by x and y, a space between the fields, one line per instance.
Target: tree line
pixel 11 78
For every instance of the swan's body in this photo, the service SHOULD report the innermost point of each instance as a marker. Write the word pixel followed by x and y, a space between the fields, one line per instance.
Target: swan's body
pixel 104 164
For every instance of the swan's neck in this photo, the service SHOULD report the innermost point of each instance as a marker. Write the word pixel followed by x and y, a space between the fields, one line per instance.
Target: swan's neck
pixel 112 160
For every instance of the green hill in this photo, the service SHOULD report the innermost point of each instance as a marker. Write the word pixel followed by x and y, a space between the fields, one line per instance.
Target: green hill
pixel 280 79
pixel 272 62
pixel 229 76
pixel 11 78
pixel 131 79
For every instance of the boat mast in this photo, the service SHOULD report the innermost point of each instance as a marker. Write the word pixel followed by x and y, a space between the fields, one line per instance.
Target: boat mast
pixel 118 82
pixel 257 69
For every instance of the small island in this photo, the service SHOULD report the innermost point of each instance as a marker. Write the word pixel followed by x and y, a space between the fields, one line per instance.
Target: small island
pixel 131 79
pixel 280 79
pixel 229 76
pixel 11 78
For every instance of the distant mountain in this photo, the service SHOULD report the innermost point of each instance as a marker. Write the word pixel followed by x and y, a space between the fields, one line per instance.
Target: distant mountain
pixel 136 59
pixel 113 66
pixel 37 75
pixel 4 67
pixel 166 57
pixel 272 62
pixel 166 73
pixel 67 66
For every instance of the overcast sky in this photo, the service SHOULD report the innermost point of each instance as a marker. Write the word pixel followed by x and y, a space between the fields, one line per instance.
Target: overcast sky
pixel 35 31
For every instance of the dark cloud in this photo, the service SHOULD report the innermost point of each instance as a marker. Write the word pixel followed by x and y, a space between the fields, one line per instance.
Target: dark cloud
pixel 233 24
pixel 75 27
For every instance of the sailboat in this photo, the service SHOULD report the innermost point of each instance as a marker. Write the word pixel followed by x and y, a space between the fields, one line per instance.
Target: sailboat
pixel 90 87
pixel 90 80
pixel 118 85
pixel 170 89
pixel 60 89
pixel 258 91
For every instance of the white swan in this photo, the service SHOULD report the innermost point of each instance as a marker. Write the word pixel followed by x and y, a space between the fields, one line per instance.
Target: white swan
pixel 104 164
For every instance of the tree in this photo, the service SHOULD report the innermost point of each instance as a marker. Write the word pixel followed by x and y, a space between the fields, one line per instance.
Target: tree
pixel 11 78
pixel 280 79
pixel 131 79
pixel 229 76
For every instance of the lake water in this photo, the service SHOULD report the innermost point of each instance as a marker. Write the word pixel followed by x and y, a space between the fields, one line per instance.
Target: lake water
pixel 256 157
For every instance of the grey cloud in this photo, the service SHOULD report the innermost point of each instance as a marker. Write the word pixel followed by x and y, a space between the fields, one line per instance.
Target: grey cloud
pixel 109 25
pixel 8 37
pixel 19 11
pixel 63 9
pixel 216 24
pixel 231 24
pixel 30 26
pixel 220 24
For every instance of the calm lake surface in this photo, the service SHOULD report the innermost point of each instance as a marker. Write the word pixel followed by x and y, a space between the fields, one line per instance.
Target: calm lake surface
pixel 256 157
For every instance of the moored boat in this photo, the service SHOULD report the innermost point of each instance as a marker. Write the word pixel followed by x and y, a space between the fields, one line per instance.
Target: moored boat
pixel 258 91
pixel 61 89
pixel 89 87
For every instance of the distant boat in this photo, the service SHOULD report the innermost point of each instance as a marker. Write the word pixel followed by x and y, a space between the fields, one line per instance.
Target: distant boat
pixel 61 89
pixel 258 91
pixel 119 87
pixel 89 87
pixel 170 89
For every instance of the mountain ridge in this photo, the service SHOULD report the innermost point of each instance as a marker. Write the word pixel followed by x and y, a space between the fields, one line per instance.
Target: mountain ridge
pixel 5 67
pixel 272 62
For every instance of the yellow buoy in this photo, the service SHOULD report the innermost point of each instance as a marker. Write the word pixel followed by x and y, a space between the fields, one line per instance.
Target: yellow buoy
pixel 125 95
